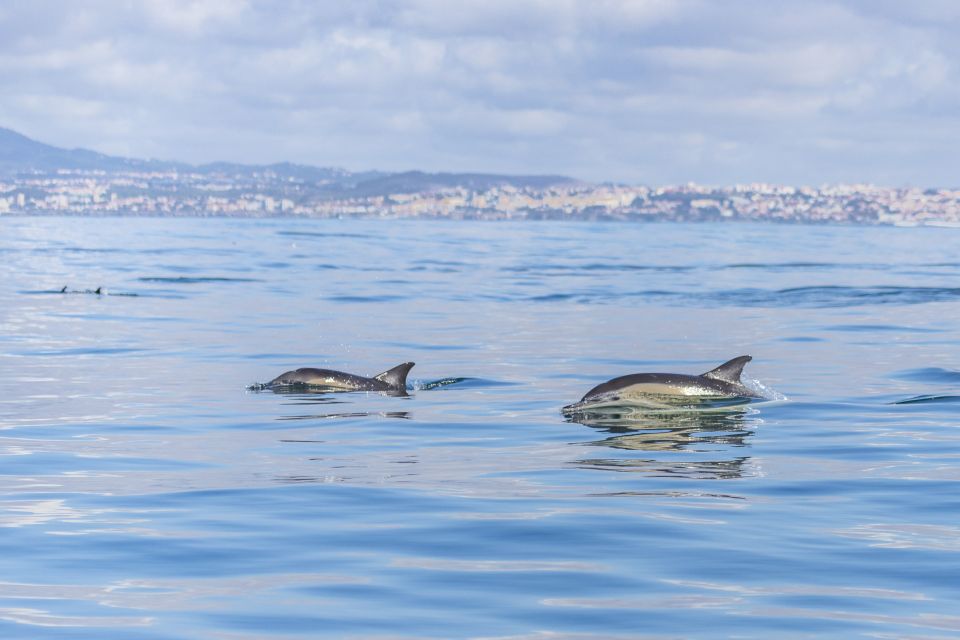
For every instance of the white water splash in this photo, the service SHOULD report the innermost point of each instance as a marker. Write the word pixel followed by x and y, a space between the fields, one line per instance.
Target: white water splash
pixel 762 390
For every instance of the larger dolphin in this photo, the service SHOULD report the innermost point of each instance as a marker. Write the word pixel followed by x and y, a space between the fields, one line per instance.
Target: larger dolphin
pixel 654 389
pixel 391 381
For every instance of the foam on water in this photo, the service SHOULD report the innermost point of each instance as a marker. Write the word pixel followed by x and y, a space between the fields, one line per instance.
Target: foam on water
pixel 762 390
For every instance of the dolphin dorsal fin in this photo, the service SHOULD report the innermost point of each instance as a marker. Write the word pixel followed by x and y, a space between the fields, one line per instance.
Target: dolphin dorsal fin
pixel 396 377
pixel 729 371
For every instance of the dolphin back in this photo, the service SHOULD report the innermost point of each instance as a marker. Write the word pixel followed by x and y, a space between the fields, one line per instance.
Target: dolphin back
pixel 392 380
pixel 396 378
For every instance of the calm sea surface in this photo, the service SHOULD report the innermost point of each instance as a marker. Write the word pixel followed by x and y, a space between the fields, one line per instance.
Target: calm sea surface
pixel 146 493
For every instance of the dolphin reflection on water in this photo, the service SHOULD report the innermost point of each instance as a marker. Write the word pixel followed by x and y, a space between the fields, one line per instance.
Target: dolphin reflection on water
pixel 683 444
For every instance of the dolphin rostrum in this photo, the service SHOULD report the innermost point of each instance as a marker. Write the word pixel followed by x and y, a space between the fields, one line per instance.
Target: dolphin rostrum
pixel 392 380
pixel 668 388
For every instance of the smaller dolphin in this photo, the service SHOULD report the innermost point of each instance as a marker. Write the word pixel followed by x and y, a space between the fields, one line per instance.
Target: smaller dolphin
pixel 668 389
pixel 98 291
pixel 391 381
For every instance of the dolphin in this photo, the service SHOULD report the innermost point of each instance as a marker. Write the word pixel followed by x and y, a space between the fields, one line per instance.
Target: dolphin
pixel 668 389
pixel 391 381
pixel 98 291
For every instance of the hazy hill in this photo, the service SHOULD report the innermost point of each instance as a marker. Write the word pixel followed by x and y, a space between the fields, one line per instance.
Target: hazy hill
pixel 20 154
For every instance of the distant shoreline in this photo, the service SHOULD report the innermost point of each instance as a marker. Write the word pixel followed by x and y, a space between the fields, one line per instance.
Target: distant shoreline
pixel 39 179
pixel 484 218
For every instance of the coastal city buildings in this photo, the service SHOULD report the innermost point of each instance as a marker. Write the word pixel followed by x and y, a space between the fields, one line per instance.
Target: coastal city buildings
pixel 261 193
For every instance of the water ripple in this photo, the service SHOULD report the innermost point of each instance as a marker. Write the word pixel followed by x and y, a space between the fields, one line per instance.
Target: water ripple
pixel 193 279
pixel 929 374
pixel 823 297
pixel 930 399
pixel 144 494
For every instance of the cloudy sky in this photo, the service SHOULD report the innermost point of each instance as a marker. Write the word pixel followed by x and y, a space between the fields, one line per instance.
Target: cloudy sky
pixel 638 91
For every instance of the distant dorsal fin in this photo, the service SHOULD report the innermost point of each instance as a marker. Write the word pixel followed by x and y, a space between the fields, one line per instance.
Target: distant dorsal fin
pixel 729 371
pixel 396 377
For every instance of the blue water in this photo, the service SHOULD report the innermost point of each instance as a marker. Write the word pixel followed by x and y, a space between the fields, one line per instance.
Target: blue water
pixel 145 493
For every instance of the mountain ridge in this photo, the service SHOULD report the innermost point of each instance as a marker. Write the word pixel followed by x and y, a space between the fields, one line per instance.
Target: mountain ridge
pixel 20 154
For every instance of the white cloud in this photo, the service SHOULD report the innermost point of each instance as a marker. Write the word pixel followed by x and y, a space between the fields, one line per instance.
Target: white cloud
pixel 639 90
pixel 193 17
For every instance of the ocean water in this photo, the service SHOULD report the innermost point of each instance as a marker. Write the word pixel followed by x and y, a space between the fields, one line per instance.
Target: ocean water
pixel 146 493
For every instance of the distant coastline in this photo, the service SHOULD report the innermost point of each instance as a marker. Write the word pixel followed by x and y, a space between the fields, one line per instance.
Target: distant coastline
pixel 38 179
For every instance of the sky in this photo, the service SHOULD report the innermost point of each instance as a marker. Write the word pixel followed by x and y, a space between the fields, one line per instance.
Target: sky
pixel 653 92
